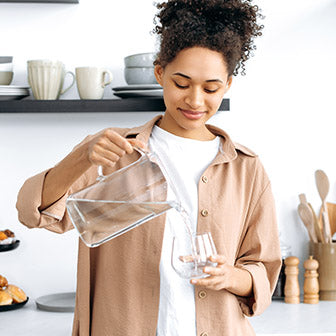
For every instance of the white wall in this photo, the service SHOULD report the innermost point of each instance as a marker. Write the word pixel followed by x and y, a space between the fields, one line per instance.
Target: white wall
pixel 283 109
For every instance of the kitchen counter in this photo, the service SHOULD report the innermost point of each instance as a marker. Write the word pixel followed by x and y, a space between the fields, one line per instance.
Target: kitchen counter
pixel 300 319
pixel 279 319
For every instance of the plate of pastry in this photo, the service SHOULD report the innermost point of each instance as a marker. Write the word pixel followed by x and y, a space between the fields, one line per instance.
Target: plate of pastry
pixel 8 241
pixel 11 296
pixel 13 306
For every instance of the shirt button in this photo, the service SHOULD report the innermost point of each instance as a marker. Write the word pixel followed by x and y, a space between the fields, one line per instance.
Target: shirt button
pixel 202 294
pixel 204 334
pixel 205 179
pixel 204 212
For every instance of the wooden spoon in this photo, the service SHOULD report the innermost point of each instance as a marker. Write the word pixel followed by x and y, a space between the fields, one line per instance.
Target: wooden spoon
pixel 307 218
pixel 318 232
pixel 332 217
pixel 323 185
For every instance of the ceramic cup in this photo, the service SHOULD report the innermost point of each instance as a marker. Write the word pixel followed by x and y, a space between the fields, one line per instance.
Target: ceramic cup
pixel 325 254
pixel 46 79
pixel 91 82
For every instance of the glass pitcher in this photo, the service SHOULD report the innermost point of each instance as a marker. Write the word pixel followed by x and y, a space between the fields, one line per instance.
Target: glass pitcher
pixel 121 201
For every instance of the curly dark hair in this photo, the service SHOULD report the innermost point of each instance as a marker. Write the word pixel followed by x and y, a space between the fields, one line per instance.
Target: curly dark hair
pixel 226 26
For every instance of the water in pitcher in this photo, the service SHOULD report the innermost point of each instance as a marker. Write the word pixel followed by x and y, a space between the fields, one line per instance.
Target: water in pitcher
pixel 99 221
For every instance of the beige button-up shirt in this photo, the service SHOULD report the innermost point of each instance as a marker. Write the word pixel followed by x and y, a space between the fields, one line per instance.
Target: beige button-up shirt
pixel 118 283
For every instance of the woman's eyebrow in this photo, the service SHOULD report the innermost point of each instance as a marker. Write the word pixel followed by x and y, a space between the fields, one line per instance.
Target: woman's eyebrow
pixel 214 80
pixel 208 81
pixel 182 75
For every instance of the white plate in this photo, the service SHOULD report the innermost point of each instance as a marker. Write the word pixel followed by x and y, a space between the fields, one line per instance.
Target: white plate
pixel 14 92
pixel 13 87
pixel 139 93
pixel 60 302
pixel 137 87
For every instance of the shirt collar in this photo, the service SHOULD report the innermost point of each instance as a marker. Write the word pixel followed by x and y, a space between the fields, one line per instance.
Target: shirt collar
pixel 227 152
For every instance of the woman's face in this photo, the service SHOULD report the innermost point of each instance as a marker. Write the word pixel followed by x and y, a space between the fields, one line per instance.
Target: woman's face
pixel 194 84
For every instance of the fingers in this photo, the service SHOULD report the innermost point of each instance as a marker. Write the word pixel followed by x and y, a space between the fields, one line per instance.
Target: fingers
pixel 212 282
pixel 187 258
pixel 105 157
pixel 125 144
pixel 137 143
pixel 108 147
pixel 219 276
pixel 118 140
pixel 220 259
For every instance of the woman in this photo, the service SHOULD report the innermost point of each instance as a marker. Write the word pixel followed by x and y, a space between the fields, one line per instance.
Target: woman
pixel 127 286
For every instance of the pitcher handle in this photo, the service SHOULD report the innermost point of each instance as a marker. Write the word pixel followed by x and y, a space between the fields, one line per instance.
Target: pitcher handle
pixel 138 149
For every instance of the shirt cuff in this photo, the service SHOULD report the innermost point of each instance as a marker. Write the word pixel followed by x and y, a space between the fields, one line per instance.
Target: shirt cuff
pixel 57 209
pixel 261 297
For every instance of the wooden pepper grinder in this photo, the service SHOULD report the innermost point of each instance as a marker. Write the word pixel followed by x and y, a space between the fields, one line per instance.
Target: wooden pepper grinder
pixel 292 288
pixel 311 285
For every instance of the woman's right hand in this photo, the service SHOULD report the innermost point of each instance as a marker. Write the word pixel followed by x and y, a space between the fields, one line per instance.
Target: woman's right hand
pixel 107 147
pixel 103 149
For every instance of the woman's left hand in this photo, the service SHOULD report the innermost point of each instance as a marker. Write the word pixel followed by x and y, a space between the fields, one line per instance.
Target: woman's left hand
pixel 220 276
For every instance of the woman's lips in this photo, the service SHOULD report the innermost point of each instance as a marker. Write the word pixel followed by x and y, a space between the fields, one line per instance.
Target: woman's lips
pixel 192 115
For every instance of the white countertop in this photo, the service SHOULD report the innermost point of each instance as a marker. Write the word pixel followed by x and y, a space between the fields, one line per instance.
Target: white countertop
pixel 279 319
pixel 300 319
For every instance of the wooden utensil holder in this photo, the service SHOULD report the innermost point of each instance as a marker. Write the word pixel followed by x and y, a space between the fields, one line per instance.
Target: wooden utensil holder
pixel 325 254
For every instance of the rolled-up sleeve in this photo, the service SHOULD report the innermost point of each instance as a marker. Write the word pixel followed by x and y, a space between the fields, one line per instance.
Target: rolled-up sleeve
pixel 53 218
pixel 260 254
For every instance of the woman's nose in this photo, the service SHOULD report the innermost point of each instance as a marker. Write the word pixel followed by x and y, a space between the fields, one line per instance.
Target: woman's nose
pixel 194 98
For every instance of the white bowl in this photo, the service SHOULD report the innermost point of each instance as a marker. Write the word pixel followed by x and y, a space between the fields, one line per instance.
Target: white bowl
pixel 6 77
pixel 140 76
pixel 140 60
pixel 6 59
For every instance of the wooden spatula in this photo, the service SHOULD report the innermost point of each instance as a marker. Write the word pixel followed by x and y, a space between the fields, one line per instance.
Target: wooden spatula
pixel 318 232
pixel 307 218
pixel 323 185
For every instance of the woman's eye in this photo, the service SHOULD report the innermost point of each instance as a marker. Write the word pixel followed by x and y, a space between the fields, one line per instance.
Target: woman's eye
pixel 210 91
pixel 181 86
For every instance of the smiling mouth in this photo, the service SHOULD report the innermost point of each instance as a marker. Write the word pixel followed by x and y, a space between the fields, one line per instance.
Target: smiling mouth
pixel 193 115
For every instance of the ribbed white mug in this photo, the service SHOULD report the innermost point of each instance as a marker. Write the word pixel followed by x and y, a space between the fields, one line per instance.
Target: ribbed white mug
pixel 46 79
pixel 91 82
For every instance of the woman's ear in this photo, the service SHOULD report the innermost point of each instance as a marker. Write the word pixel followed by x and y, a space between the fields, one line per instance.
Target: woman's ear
pixel 158 72
pixel 228 84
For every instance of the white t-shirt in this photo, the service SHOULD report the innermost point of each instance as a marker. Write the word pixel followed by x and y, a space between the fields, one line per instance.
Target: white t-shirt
pixel 185 160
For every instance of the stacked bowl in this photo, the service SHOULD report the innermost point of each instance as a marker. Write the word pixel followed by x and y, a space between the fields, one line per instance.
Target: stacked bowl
pixel 139 69
pixel 7 91
pixel 6 70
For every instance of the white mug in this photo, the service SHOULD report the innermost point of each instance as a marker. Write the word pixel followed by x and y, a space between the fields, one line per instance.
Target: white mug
pixel 91 82
pixel 46 79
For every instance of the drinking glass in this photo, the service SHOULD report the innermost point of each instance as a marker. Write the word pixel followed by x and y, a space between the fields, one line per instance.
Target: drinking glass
pixel 191 254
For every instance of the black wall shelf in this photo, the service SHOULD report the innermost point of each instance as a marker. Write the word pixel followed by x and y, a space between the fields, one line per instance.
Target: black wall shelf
pixel 44 1
pixel 81 106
